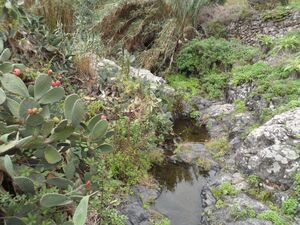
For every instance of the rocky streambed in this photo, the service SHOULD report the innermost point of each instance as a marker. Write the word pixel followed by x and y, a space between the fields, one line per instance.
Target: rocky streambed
pixel 200 185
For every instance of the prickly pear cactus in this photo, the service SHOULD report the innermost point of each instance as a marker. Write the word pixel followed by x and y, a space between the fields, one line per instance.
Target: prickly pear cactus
pixel 31 131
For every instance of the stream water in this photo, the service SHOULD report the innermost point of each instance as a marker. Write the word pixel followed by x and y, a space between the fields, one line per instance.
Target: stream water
pixel 180 199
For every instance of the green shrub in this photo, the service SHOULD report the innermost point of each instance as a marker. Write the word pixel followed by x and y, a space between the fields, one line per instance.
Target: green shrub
pixel 290 206
pixel 250 73
pixel 188 87
pixel 128 168
pixel 214 84
pixel 199 57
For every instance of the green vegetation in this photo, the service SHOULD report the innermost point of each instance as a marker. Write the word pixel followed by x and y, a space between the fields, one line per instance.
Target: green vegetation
pixel 200 57
pixel 239 106
pixel 239 213
pixel 225 188
pixel 290 206
pixel 272 216
pixel 188 87
pixel 253 180
pixel 218 147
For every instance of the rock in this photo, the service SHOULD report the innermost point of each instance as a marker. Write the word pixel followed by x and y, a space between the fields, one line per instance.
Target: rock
pixel 147 195
pixel 194 153
pixel 272 150
pixel 189 152
pixel 217 117
pixel 133 206
pixel 143 74
pixel 252 222
pixel 208 198
pixel 226 214
pixel 240 92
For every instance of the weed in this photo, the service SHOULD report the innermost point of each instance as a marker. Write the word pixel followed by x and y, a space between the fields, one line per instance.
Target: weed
pixel 290 206
pixel 253 180
pixel 239 106
pixel 272 216
pixel 242 213
pixel 224 189
pixel 218 147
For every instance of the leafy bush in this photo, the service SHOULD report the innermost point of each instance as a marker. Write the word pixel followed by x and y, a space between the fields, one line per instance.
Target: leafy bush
pixel 188 87
pixel 199 57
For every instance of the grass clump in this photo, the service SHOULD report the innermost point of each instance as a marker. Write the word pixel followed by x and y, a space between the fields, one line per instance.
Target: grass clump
pixel 242 213
pixel 218 147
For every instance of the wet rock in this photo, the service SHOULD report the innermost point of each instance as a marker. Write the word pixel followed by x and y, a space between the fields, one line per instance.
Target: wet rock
pixel 146 194
pixel 133 206
pixel 194 153
pixel 272 150
pixel 208 198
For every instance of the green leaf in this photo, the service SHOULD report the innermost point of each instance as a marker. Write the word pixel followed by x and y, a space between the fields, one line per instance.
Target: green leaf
pixel 68 223
pixel 69 170
pixel 60 182
pixel 80 214
pixel 14 85
pixel 14 221
pixel 99 130
pixel 2 96
pixel 69 104
pixel 1 45
pixel 105 148
pixel 14 107
pixel 6 67
pixel 62 134
pixel 47 127
pixel 34 120
pixel 8 165
pixel 53 199
pixel 6 54
pixel 78 112
pixel 92 122
pixel 27 103
pixel 6 147
pixel 42 86
pixel 52 155
pixel 52 96
pixel 25 184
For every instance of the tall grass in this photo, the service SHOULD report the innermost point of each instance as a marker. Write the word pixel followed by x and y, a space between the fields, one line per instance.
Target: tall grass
pixel 54 12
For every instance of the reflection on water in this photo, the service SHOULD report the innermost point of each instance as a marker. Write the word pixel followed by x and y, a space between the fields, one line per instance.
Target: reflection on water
pixel 189 132
pixel 181 184
pixel 180 199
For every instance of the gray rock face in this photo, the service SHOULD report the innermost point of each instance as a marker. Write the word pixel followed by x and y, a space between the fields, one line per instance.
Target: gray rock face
pixel 195 153
pixel 134 72
pixel 272 150
pixel 247 30
pixel 189 152
pixel 225 215
pixel 133 207
pixel 219 117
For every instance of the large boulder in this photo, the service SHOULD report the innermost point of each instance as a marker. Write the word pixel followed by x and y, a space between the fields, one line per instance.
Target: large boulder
pixel 272 150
